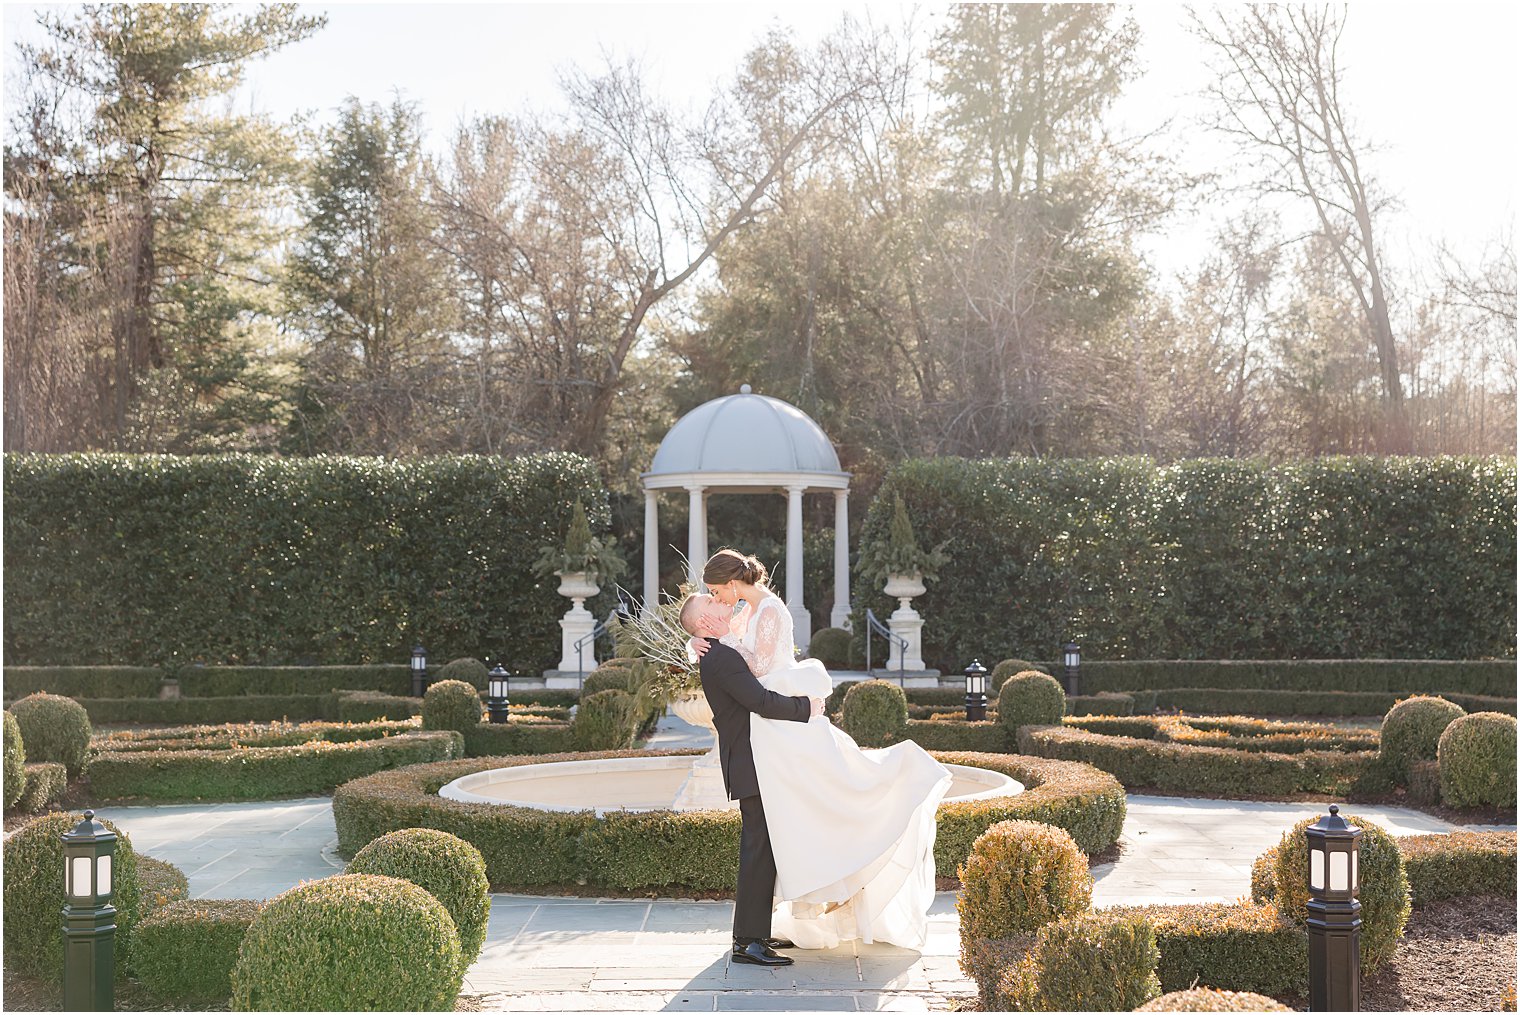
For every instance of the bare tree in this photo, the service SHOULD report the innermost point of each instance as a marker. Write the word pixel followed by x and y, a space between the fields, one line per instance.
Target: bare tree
pixel 1278 93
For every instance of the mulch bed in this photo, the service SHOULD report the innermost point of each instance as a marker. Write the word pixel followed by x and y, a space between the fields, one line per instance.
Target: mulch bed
pixel 1456 955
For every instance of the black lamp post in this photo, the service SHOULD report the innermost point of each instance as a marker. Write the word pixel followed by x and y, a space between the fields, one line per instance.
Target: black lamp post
pixel 976 691
pixel 419 671
pixel 496 694
pixel 1335 921
pixel 1071 657
pixel 89 919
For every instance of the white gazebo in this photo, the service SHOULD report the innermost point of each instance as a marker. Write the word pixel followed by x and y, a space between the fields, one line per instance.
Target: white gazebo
pixel 749 443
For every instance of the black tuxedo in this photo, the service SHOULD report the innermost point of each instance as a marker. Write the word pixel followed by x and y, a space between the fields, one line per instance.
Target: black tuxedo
pixel 733 693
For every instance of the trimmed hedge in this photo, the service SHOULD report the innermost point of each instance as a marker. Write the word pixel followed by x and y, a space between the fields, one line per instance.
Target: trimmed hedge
pixel 831 646
pixel 259 559
pixel 249 708
pixel 1402 677
pixel 987 736
pixel 1476 756
pixel 605 721
pixel 448 868
pixel 45 785
pixel 226 736
pixel 525 848
pixel 451 705
pixel 1235 701
pixel 467 669
pixel 54 728
pixel 1245 946
pixel 84 681
pixel 185 952
pixel 1030 698
pixel 261 773
pixel 366 706
pixel 1212 771
pixel 1412 729
pixel 353 942
pixel 33 896
pixel 159 883
pixel 1319 558
pixel 519 735
pixel 1104 703
pixel 205 681
pixel 1458 864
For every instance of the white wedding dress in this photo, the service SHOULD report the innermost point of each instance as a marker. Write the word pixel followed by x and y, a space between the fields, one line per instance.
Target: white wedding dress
pixel 848 826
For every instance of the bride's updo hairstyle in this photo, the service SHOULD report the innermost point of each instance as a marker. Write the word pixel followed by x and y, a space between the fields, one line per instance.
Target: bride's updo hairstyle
pixel 730 565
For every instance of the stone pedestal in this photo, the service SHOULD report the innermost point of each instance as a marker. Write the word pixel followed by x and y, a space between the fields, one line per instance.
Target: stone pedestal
pixel 905 623
pixel 703 789
pixel 577 624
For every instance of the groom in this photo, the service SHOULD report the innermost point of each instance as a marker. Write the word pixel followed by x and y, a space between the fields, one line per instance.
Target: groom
pixel 733 692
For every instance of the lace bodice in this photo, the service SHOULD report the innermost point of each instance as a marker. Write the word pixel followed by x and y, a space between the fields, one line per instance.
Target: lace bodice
pixel 766 644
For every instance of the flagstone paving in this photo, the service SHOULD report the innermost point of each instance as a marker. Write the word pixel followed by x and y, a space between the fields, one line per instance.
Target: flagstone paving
pixel 567 954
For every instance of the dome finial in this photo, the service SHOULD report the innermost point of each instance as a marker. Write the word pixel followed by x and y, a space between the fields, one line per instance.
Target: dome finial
pixel 745 389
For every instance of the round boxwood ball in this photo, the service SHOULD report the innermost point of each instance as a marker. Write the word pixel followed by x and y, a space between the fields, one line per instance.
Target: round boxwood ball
pixel 354 942
pixel 15 762
pixel 451 705
pixel 1209 999
pixel 1030 698
pixel 1019 876
pixel 471 671
pixel 1476 755
pixel 1412 729
pixel 831 646
pixel 605 721
pixel 1007 668
pixel 1384 893
pixel 450 869
pixel 875 713
pixel 610 677
pixel 33 888
pixel 54 728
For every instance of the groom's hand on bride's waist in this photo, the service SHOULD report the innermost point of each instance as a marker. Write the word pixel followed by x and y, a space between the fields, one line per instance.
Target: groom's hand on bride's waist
pixel 817 707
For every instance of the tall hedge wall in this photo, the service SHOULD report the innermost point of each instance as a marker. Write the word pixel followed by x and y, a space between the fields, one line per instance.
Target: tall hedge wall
pixel 162 560
pixel 1344 557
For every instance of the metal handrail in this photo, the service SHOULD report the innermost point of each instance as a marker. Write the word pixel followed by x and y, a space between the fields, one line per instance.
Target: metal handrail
pixel 590 639
pixel 873 625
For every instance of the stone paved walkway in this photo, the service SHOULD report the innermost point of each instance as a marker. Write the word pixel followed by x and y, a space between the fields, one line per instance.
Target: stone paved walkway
pixel 571 954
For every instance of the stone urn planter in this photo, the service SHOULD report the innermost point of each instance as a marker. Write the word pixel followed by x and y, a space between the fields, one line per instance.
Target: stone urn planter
pixel 577 623
pixel 905 622
pixel 703 789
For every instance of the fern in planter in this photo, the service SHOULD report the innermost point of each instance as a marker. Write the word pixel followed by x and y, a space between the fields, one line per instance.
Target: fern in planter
pixel 581 553
pixel 899 553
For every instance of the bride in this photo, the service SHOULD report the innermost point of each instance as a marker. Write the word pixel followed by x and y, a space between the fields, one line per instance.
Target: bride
pixel 852 830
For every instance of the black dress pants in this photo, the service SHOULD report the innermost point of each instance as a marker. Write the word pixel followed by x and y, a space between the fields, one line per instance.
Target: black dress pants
pixel 757 873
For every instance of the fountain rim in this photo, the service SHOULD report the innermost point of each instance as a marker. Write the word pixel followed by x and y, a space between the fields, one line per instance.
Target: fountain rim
pixel 998 784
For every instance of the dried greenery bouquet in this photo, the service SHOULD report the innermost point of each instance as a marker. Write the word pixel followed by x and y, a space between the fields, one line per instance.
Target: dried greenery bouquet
pixel 659 639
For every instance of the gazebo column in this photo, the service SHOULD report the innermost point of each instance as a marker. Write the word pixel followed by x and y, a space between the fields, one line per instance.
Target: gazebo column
pixel 840 615
pixel 696 536
pixel 651 553
pixel 802 626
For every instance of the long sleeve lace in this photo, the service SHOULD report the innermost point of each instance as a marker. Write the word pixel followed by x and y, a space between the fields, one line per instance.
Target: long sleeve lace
pixel 767 639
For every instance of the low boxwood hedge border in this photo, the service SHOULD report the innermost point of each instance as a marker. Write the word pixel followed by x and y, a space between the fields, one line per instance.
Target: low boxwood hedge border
pixel 244 708
pixel 1257 701
pixel 1212 771
pixel 1401 676
pixel 45 783
pixel 225 736
pixel 1233 732
pixel 1457 864
pixel 259 773
pixel 1245 946
pixel 527 849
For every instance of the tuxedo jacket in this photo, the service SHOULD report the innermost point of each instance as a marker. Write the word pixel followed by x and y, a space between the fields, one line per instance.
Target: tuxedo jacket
pixel 733 693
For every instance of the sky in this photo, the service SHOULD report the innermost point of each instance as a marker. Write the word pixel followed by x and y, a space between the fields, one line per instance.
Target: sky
pixel 1434 86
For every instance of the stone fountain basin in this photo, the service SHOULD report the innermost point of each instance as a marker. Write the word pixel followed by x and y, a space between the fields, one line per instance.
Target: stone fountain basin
pixel 643 784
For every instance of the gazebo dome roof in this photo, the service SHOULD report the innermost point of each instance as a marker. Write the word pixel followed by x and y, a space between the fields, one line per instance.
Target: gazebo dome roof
pixel 745 434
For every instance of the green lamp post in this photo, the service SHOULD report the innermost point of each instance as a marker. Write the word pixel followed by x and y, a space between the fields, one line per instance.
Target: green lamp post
pixel 89 919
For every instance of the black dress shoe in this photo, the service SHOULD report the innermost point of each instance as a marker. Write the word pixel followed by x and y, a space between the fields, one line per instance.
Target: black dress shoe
pixel 757 954
pixel 778 942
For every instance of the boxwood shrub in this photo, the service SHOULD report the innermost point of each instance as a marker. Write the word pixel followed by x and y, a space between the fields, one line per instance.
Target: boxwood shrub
pixel 526 849
pixel 875 713
pixel 33 895
pixel 364 706
pixel 261 773
pixel 605 721
pixel 282 560
pixel 519 735
pixel 1242 946
pixel 229 735
pixel 467 669
pixel 1209 999
pixel 1085 962
pixel 247 708
pixel 45 785
pixel 14 762
pixel 159 883
pixel 1030 698
pixel 1476 755
pixel 451 705
pixel 447 867
pixel 1412 729
pixel 54 728
pixel 1327 703
pixel 184 952
pixel 354 942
